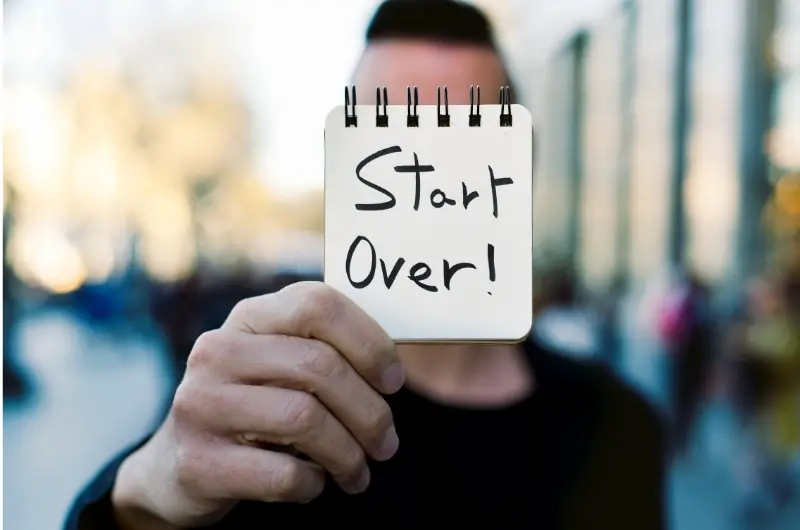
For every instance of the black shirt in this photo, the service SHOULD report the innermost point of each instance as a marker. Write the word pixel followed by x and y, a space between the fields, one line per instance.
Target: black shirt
pixel 583 452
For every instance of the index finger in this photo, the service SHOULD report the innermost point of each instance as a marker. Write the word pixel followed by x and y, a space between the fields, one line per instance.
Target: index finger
pixel 314 310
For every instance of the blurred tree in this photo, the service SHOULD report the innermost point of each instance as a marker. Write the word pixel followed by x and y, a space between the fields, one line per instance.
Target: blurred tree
pixel 305 212
pixel 782 222
pixel 154 146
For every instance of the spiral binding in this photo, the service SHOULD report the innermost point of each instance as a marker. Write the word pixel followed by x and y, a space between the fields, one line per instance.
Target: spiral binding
pixel 474 117
pixel 412 118
pixel 350 118
pixel 505 104
pixel 381 120
pixel 442 119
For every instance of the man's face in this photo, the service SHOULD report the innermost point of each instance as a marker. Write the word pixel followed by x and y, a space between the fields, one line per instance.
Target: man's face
pixel 397 64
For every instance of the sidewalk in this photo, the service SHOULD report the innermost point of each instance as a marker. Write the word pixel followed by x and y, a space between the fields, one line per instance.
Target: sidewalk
pixel 702 494
pixel 703 497
pixel 93 398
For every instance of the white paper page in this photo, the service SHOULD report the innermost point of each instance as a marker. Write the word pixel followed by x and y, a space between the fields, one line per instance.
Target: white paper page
pixel 486 246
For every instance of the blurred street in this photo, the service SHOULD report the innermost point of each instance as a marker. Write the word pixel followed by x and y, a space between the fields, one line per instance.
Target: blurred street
pixel 96 394
pixel 93 396
pixel 703 499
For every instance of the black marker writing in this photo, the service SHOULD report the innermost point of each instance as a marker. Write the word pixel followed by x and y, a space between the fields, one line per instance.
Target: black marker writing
pixel 490 259
pixel 417 170
pixel 382 205
pixel 495 183
pixel 438 197
pixel 348 263
pixel 451 270
pixel 468 195
pixel 419 272
pixel 389 278
pixel 442 199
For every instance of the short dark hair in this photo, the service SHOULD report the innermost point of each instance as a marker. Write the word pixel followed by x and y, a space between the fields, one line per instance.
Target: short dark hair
pixel 443 21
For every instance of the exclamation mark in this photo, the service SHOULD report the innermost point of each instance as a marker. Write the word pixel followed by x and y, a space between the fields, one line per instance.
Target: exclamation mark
pixel 490 258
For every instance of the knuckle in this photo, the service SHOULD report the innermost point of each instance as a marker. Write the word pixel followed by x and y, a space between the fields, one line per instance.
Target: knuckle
pixel 209 347
pixel 184 403
pixel 194 403
pixel 374 353
pixel 191 464
pixel 380 418
pixel 282 481
pixel 242 310
pixel 353 461
pixel 318 302
pixel 303 413
pixel 321 360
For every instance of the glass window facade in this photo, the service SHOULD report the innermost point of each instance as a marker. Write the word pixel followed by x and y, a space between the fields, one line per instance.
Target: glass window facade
pixel 787 55
pixel 785 139
pixel 783 144
pixel 602 152
pixel 651 146
pixel 711 188
pixel 610 135
pixel 553 210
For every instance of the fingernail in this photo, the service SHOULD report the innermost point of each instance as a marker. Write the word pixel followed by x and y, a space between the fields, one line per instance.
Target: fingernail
pixel 360 484
pixel 393 378
pixel 389 445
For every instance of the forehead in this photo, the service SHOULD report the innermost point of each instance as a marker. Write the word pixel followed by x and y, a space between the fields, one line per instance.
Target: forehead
pixel 402 63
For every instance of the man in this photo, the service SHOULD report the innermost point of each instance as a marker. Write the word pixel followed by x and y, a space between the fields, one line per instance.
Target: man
pixel 299 410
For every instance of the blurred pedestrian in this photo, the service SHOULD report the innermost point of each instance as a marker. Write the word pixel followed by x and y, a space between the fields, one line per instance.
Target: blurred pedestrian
pixel 17 383
pixel 610 321
pixel 775 339
pixel 560 322
pixel 686 328
pixel 767 394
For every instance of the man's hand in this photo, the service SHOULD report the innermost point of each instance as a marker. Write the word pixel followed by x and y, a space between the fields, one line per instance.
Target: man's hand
pixel 295 371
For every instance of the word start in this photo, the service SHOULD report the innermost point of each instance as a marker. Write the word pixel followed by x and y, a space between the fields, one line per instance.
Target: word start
pixel 419 273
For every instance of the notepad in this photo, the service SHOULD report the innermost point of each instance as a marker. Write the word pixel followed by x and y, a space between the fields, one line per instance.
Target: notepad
pixel 428 218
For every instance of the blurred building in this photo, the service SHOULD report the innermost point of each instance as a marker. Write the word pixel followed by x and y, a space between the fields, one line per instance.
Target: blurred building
pixel 669 135
pixel 140 156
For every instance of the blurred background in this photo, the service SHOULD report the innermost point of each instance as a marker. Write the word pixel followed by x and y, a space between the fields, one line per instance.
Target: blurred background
pixel 156 170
